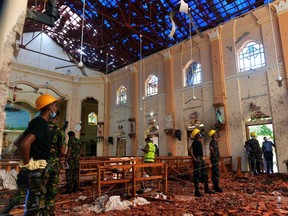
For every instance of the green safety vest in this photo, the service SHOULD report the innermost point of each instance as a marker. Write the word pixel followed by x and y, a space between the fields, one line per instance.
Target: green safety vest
pixel 149 157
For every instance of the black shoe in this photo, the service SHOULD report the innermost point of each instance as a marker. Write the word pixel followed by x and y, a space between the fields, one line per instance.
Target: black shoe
pixel 207 190
pixel 198 194
pixel 67 192
pixel 218 189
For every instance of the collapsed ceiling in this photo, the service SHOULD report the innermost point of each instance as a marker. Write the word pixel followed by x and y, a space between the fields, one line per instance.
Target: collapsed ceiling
pixel 113 28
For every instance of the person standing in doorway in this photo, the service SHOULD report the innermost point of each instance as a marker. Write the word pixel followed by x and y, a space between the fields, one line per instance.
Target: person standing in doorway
pixel 72 158
pixel 200 172
pixel 254 153
pixel 214 158
pixel 268 154
pixel 149 156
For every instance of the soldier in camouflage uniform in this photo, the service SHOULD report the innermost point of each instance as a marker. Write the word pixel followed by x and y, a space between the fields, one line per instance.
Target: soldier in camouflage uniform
pixel 214 158
pixel 73 157
pixel 200 172
pixel 254 153
pixel 58 148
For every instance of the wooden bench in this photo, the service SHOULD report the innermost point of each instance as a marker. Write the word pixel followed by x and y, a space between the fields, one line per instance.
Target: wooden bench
pixel 131 179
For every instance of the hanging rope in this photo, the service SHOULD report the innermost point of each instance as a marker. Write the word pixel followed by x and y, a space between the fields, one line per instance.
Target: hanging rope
pixel 140 74
pixel 191 57
pixel 82 31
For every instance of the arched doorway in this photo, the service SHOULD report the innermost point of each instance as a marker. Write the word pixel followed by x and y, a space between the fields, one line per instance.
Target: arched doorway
pixel 89 119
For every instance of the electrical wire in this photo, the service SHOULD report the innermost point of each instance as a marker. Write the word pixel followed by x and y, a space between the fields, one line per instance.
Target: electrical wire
pixel 82 31
pixel 279 78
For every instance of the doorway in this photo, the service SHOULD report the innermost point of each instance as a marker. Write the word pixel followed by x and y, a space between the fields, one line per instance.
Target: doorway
pixel 88 133
pixel 121 147
pixel 264 130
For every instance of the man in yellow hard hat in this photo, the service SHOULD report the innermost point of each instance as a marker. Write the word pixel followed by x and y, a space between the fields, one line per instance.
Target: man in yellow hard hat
pixel 200 173
pixel 214 158
pixel 34 151
pixel 254 153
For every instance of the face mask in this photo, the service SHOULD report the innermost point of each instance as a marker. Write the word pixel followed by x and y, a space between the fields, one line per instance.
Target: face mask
pixel 52 115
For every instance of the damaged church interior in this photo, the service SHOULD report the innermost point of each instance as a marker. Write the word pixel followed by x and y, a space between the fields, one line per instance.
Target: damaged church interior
pixel 157 101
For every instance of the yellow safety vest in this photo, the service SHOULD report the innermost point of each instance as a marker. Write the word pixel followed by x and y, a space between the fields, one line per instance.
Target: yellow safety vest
pixel 150 156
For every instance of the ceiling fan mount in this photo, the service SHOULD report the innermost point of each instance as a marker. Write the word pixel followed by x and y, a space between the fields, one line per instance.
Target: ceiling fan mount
pixel 80 65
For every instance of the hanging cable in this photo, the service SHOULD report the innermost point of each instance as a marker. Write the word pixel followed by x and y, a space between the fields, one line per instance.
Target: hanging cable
pixel 191 57
pixel 279 78
pixel 39 57
pixel 82 31
pixel 140 74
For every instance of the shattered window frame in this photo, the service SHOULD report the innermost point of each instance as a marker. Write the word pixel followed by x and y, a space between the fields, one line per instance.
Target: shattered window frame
pixel 193 73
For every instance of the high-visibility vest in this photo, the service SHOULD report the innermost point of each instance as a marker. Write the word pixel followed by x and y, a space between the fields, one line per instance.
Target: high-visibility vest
pixel 150 156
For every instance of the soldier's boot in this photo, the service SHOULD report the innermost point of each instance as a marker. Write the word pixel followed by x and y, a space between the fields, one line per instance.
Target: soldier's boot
pixel 6 210
pixel 207 190
pixel 197 192
pixel 68 189
pixel 216 187
pixel 75 187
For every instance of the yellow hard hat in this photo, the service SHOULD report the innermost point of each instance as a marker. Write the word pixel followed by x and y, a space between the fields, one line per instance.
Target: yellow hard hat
pixel 44 100
pixel 211 132
pixel 253 134
pixel 195 132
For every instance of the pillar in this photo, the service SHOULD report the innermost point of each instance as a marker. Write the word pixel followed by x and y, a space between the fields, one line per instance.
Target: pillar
pixel 135 105
pixel 169 98
pixel 12 18
pixel 219 85
pixel 281 8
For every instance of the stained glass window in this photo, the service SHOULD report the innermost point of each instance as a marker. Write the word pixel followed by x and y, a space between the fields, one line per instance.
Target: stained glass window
pixel 152 85
pixel 122 95
pixel 92 118
pixel 251 56
pixel 192 73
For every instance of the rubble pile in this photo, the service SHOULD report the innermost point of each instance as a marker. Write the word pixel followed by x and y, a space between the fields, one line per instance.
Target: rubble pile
pixel 265 194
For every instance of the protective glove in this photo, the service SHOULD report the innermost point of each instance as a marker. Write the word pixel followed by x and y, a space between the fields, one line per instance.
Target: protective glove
pixel 33 165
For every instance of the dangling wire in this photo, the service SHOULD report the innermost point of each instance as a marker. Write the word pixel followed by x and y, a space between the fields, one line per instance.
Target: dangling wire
pixel 82 32
pixel 191 55
pixel 140 74
pixel 106 72
pixel 279 78
pixel 39 57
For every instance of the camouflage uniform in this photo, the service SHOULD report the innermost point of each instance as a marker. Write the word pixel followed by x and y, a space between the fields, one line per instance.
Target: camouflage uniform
pixel 254 154
pixel 214 158
pixel 72 173
pixel 200 172
pixel 58 141
pixel 36 204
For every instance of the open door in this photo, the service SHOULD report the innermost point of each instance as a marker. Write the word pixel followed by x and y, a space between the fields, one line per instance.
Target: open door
pixel 264 130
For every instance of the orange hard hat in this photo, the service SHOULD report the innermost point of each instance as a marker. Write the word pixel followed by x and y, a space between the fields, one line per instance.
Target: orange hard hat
pixel 44 100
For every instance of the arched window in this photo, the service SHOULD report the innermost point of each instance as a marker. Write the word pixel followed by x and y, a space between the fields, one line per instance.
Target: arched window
pixel 92 119
pixel 251 56
pixel 122 95
pixel 152 85
pixel 193 73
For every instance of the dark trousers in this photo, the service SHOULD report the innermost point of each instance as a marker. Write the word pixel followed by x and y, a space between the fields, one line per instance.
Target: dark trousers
pixel 200 172
pixel 255 163
pixel 269 161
